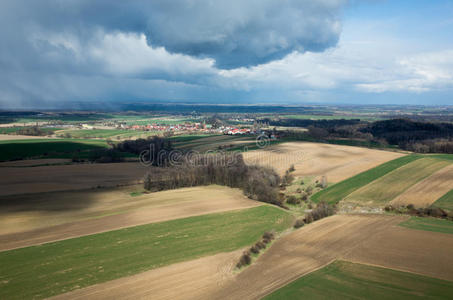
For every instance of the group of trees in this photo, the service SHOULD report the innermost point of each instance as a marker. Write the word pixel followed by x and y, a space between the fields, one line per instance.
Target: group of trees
pixel 228 169
pixel 155 150
pixel 34 131
pixel 417 136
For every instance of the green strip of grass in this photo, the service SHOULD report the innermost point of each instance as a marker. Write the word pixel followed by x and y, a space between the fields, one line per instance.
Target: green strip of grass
pixel 345 280
pixel 429 224
pixel 46 148
pixel 445 202
pixel 55 268
pixel 337 192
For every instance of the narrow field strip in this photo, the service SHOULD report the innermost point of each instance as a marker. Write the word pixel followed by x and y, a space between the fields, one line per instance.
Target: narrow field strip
pixel 347 280
pixel 55 268
pixel 339 191
pixel 386 188
pixel 427 191
pixel 429 224
pixel 446 201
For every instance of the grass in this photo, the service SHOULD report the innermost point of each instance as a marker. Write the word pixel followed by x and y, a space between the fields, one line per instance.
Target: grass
pixel 55 268
pixel 337 192
pixel 445 202
pixel 16 129
pixel 429 224
pixel 46 148
pixel 346 280
pixel 389 186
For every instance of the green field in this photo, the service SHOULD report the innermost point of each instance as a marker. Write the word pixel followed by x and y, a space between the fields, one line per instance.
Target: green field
pixel 429 224
pixel 47 148
pixel 55 268
pixel 389 186
pixel 345 280
pixel 106 133
pixel 337 192
pixel 445 202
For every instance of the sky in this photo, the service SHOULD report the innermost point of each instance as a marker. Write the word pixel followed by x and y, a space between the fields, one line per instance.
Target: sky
pixel 54 53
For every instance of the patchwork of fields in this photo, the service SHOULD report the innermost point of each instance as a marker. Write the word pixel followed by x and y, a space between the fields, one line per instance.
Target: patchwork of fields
pixel 60 237
pixel 346 280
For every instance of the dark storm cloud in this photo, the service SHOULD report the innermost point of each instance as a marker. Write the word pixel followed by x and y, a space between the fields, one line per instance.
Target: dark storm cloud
pixel 51 49
pixel 235 33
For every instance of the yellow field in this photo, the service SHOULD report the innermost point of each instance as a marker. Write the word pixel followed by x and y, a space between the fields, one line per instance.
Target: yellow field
pixel 314 159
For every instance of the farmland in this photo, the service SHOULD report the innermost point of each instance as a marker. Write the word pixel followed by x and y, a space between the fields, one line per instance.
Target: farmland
pixel 83 212
pixel 446 201
pixel 339 191
pixel 346 280
pixel 429 224
pixel 427 191
pixel 75 263
pixel 386 188
pixel 47 148
pixel 313 159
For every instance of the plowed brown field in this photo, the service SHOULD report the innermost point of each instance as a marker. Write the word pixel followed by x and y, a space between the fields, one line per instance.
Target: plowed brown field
pixel 67 177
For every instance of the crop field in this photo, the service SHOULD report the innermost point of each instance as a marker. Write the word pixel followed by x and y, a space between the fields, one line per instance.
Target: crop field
pixel 365 239
pixel 46 148
pixel 41 179
pixel 115 134
pixel 59 267
pixel 429 224
pixel 339 191
pixel 389 186
pixel 446 201
pixel 32 219
pixel 336 162
pixel 427 191
pixel 346 280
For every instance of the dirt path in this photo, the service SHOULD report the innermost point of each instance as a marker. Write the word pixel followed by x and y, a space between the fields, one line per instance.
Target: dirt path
pixel 314 159
pixel 109 210
pixel 427 191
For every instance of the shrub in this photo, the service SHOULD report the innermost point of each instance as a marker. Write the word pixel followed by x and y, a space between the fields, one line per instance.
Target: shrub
pixel 292 200
pixel 245 260
pixel 268 235
pixel 410 206
pixel 260 245
pixel 308 218
pixel 299 223
pixel 309 190
pixel 291 168
pixel 254 249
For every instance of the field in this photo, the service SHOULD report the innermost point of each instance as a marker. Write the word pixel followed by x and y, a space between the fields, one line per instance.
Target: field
pixel 47 148
pixel 32 219
pixel 313 159
pixel 62 266
pixel 114 134
pixel 446 201
pixel 346 280
pixel 339 191
pixel 427 191
pixel 389 186
pixel 14 180
pixel 429 224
